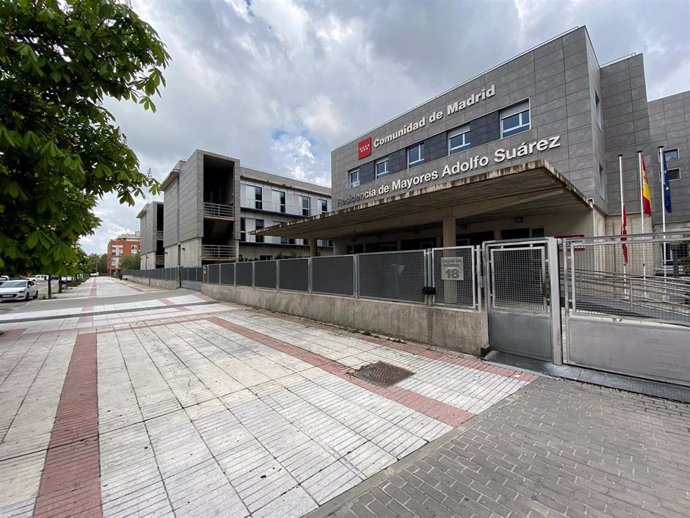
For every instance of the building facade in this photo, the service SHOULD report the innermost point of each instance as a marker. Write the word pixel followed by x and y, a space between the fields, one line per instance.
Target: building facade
pixel 151 219
pixel 122 246
pixel 527 149
pixel 213 204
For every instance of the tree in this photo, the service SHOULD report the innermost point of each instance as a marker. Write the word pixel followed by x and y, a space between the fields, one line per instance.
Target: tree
pixel 60 149
pixel 131 262
pixel 103 264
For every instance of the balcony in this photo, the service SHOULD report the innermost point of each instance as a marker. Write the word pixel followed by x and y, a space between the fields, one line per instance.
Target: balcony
pixel 218 211
pixel 159 235
pixel 160 259
pixel 217 252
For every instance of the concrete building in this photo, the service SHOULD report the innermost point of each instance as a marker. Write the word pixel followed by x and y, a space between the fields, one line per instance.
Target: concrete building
pixel 527 149
pixel 151 232
pixel 205 224
pixel 122 246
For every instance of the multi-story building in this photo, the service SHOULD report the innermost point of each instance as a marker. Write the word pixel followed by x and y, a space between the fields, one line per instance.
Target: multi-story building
pixel 529 148
pixel 205 224
pixel 122 246
pixel 151 231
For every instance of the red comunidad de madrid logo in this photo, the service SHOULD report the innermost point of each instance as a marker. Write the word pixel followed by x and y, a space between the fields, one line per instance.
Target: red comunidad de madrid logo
pixel 364 148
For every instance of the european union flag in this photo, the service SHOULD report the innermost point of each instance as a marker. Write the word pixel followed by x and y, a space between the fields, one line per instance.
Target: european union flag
pixel 667 187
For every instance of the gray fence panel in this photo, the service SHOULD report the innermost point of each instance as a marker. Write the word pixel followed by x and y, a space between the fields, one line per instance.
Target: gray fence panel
pixel 243 274
pixel 392 275
pixel 213 274
pixel 265 274
pixel 334 275
pixel 294 274
pixel 227 274
pixel 455 276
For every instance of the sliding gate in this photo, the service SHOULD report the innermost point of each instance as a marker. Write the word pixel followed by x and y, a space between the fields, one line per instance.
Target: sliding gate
pixel 523 301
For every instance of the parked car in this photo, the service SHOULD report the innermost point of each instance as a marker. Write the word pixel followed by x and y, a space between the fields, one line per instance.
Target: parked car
pixel 669 269
pixel 3 278
pixel 40 277
pixel 18 289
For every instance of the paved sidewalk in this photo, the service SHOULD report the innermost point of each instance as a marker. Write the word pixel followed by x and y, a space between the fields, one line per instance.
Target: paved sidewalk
pixel 185 406
pixel 556 448
pixel 181 405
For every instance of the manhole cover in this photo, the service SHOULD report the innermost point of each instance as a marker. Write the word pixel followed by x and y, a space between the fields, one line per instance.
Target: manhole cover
pixel 382 374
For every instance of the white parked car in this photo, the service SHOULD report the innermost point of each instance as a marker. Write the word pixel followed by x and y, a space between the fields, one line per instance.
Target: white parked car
pixel 18 289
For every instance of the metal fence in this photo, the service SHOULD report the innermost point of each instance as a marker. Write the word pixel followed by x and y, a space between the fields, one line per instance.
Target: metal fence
pixel 406 276
pixel 640 276
pixel 194 274
pixel 455 276
pixel 168 274
pixel 393 275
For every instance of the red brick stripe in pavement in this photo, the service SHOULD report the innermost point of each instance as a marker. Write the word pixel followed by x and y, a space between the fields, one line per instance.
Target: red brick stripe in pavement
pixel 70 483
pixel 414 349
pixel 443 412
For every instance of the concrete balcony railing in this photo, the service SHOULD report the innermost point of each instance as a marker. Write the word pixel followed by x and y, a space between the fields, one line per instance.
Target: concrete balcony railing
pixel 159 235
pixel 218 210
pixel 217 252
pixel 160 259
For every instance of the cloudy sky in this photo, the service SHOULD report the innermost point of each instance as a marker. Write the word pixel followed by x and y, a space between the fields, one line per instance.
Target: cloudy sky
pixel 280 83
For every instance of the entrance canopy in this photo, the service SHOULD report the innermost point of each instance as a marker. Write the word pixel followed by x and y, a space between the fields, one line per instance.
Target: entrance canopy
pixel 532 188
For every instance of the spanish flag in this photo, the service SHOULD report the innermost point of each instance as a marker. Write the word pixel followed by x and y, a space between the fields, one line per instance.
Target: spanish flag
pixel 646 196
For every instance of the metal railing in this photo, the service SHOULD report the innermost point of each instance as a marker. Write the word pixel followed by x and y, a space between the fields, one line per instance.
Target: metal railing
pixel 159 235
pixel 160 259
pixel 168 274
pixel 213 252
pixel 218 210
pixel 643 277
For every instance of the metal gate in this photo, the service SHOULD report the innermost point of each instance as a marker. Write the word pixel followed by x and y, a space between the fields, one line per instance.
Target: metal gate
pixel 628 309
pixel 523 301
pixel 191 278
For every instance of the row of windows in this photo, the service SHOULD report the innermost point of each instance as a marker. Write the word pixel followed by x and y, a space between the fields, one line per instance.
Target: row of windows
pixel 278 201
pixel 259 224
pixel 514 120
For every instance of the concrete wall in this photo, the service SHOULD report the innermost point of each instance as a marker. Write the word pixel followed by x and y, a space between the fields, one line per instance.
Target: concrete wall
pixel 669 120
pixel 626 130
pixel 156 283
pixel 191 198
pixel 554 77
pixel 459 330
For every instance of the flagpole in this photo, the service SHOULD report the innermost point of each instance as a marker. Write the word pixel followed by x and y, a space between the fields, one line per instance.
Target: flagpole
pixel 620 177
pixel 663 209
pixel 639 165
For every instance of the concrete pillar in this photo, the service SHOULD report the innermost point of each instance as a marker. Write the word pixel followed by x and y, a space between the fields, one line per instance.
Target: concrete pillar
pixel 313 250
pixel 339 247
pixel 449 231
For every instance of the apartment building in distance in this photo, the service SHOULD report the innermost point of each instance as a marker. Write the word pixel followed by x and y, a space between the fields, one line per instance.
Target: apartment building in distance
pixel 213 204
pixel 122 246
pixel 151 232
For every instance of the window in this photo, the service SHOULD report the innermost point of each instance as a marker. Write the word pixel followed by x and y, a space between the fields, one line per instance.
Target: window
pixel 602 182
pixel 597 107
pixel 458 140
pixel 258 198
pixel 415 155
pixel 324 205
pixel 354 178
pixel 305 205
pixel 382 168
pixel 671 154
pixel 515 120
pixel 279 201
pixel 243 230
pixel 283 240
pixel 258 226
pixel 674 174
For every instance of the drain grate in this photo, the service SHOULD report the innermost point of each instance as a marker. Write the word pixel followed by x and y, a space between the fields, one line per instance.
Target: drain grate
pixel 382 374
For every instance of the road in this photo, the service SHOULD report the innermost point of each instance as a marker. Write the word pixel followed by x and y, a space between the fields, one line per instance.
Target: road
pixel 128 401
